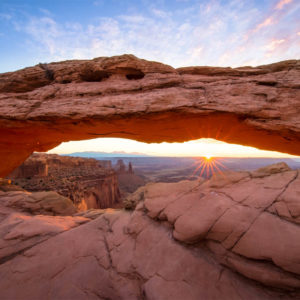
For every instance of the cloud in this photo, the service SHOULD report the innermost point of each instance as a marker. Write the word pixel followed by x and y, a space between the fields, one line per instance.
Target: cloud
pixel 206 33
pixel 5 16
pixel 160 13
pixel 274 44
pixel 282 3
pixel 267 22
pixel 98 3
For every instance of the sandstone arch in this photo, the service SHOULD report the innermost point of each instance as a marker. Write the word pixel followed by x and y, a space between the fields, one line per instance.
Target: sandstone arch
pixel 124 96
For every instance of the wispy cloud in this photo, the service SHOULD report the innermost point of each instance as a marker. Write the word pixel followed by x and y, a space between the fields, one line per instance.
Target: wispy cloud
pixel 202 33
pixel 267 22
pixel 282 3
pixel 5 16
pixel 273 44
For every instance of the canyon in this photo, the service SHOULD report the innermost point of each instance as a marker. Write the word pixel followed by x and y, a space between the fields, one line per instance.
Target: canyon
pixel 89 183
pixel 215 238
pixel 232 236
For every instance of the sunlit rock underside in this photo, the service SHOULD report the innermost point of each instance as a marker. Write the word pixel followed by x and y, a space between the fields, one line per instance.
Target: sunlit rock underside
pixel 235 236
pixel 124 96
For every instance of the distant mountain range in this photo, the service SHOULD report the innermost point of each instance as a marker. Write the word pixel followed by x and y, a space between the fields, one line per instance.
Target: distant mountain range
pixel 96 154
pixel 99 154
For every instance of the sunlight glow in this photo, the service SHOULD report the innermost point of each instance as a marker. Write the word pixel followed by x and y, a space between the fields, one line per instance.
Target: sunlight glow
pixel 208 166
pixel 202 147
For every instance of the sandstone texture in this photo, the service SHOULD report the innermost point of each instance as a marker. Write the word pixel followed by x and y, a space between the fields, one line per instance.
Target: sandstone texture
pixel 85 181
pixel 36 203
pixel 124 96
pixel 235 236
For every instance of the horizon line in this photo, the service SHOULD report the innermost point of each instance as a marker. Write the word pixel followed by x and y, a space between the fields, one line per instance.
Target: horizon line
pixel 181 156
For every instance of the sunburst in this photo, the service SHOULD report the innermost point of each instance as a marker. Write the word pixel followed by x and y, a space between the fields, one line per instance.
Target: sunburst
pixel 208 165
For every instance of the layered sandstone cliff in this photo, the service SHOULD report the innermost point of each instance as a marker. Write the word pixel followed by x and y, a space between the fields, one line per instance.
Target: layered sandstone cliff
pixel 85 181
pixel 234 236
pixel 124 96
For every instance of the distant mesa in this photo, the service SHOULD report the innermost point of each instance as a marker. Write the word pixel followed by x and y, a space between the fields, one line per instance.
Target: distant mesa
pixel 120 167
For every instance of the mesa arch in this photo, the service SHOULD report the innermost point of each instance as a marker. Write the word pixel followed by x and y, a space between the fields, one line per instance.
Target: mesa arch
pixel 124 96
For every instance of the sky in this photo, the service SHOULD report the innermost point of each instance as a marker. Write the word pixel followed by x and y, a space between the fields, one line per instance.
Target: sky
pixel 202 147
pixel 175 32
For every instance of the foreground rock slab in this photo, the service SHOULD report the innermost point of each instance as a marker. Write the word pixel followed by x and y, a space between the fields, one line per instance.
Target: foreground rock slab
pixel 46 203
pixel 124 96
pixel 208 239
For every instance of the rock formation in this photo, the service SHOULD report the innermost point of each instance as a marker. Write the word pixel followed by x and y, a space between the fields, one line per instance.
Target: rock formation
pixel 120 167
pixel 234 236
pixel 124 96
pixel 106 164
pixel 130 169
pixel 83 180
pixel 128 181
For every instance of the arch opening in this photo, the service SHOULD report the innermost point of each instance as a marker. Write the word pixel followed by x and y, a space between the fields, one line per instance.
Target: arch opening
pixel 103 172
pixel 18 139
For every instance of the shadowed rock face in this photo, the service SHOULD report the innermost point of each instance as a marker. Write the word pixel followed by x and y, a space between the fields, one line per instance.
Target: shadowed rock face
pixel 124 96
pixel 207 239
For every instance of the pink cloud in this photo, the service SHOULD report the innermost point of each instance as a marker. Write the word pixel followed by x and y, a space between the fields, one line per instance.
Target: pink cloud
pixel 282 3
pixel 267 22
pixel 274 44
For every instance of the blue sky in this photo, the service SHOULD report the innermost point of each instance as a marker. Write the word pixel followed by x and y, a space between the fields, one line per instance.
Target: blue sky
pixel 175 32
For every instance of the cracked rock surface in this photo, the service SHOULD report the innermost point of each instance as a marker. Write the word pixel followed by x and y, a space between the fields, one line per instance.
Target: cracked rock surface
pixel 124 96
pixel 235 236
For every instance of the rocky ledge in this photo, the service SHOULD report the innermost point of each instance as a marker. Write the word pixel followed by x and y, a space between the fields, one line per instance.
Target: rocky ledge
pixel 235 236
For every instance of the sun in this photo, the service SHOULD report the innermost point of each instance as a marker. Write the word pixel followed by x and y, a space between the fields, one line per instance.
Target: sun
pixel 208 166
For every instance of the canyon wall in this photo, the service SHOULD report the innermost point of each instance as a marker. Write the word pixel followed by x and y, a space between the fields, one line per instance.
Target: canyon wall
pixel 124 96
pixel 83 180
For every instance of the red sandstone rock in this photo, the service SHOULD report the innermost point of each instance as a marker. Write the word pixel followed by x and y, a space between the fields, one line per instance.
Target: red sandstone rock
pixel 127 97
pixel 226 250
pixel 46 203
pixel 85 181
pixel 236 214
